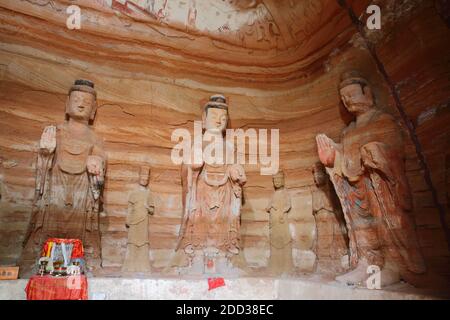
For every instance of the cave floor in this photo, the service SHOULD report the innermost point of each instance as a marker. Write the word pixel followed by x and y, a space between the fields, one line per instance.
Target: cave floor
pixel 303 287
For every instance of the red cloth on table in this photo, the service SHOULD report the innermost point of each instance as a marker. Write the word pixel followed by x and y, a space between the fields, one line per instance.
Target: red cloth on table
pixel 57 288
pixel 215 283
pixel 77 251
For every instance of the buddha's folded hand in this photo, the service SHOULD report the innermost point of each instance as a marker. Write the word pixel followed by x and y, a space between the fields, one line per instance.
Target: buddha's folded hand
pixel 237 174
pixel 95 165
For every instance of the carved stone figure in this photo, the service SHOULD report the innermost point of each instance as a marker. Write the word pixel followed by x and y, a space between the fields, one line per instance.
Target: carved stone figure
pixel 69 179
pixel 260 24
pixel 331 235
pixel 163 13
pixel 367 171
pixel 192 14
pixel 140 206
pixel 281 261
pixel 212 195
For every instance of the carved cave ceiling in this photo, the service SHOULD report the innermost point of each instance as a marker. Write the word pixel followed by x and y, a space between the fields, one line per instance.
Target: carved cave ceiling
pixel 251 24
pixel 247 42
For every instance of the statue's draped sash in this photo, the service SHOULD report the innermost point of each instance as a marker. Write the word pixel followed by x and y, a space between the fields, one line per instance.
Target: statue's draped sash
pixel 211 211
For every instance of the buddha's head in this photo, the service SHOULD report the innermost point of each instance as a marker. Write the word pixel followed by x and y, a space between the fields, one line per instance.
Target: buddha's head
pixel 355 93
pixel 319 174
pixel 215 114
pixel 144 176
pixel 278 180
pixel 81 102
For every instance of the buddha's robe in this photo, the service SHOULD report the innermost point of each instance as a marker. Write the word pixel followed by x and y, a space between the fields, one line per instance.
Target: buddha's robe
pixel 369 178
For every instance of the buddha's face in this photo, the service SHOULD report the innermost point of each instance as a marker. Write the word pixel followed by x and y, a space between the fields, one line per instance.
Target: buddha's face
pixel 356 99
pixel 215 120
pixel 278 181
pixel 80 105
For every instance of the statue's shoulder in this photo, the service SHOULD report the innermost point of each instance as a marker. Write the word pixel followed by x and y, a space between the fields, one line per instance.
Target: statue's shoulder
pixel 282 194
pixel 386 120
pixel 383 116
pixel 94 138
pixel 229 145
pixel 60 126
pixel 133 197
pixel 94 134
pixel 138 195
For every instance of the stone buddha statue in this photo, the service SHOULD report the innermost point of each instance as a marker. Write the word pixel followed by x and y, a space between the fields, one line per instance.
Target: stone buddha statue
pixel 70 175
pixel 368 174
pixel 212 195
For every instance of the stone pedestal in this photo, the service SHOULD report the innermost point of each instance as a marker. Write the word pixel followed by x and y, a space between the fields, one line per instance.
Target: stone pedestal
pixel 234 289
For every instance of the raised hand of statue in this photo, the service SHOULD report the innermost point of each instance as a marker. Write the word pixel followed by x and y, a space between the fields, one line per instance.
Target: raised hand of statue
pixel 150 209
pixel 326 149
pixel 47 144
pixel 237 174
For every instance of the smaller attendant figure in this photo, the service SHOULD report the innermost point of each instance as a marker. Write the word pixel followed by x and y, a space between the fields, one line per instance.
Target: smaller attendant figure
pixel 192 15
pixel 331 234
pixel 163 13
pixel 281 261
pixel 140 206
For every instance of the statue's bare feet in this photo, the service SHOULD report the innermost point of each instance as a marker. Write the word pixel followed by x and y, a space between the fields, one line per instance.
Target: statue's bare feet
pixel 233 250
pixel 357 276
